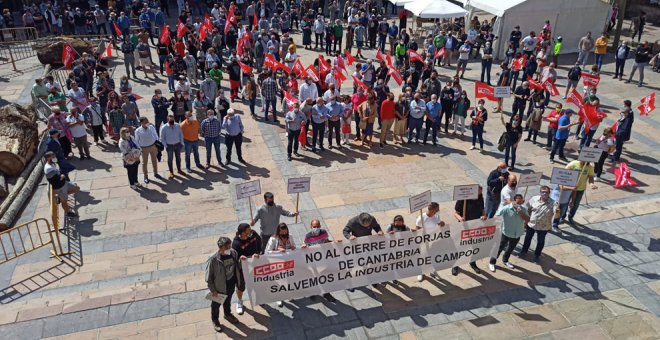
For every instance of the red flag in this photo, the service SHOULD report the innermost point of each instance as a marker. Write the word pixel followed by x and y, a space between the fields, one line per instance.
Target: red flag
pixel 379 56
pixel 282 66
pixel 519 63
pixel 614 126
pixel 575 98
pixel 389 60
pixel 590 80
pixel 254 18
pixel 533 84
pixel 202 32
pixel 340 62
pixel 349 58
pixel 269 61
pixel 116 28
pixel 590 116
pixel 181 29
pixel 359 83
pixel 290 100
pixel 302 137
pixel 338 75
pixel 108 51
pixel 648 104
pixel 395 75
pixel 245 68
pixel 298 68
pixel 311 72
pixel 68 55
pixel 323 65
pixel 550 87
pixel 622 176
pixel 165 35
pixel 231 19
pixel 413 55
pixel 482 90
pixel 440 52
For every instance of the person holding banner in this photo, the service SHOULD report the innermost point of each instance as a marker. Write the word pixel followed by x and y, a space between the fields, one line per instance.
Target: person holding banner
pixel 269 217
pixel 223 275
pixel 513 227
pixel 246 243
pixel 540 211
pixel 473 209
pixel 317 236
pixel 428 220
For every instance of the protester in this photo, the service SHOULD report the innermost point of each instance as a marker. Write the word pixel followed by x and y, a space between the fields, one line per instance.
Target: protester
pixel 211 128
pixel 561 136
pixel 172 138
pixel 429 220
pixel 146 139
pixel 509 191
pixel 620 57
pixel 317 236
pixel 605 144
pixel 479 117
pixel 468 210
pixel 585 45
pixel 642 57
pixel 513 226
pixel 130 153
pixel 586 175
pixel 269 217
pixel 59 183
pixel 513 131
pixel 223 275
pixel 190 131
pixel 76 123
pixel 233 127
pixel 294 120
pixel 540 210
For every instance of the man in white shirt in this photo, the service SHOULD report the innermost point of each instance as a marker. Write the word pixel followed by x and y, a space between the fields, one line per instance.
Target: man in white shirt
pixel 145 138
pixel 529 44
pixel 308 90
pixel 509 191
pixel 330 92
pixel 417 112
pixel 430 219
pixel 76 123
pixel 183 86
pixel 291 58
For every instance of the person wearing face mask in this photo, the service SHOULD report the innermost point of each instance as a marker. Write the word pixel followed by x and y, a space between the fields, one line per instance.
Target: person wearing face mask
pixel 280 242
pixel 540 210
pixel 417 113
pixel 223 275
pixel 294 119
pixel 514 217
pixel 553 119
pixel 247 244
pixel 428 220
pixel 623 129
pixel 479 117
pixel 269 217
pixel 145 138
pixel 432 119
pixel 317 236
pixel 234 130
pixel 160 105
pixel 496 181
pixel 335 112
pixel 172 138
pixel 59 182
pixel 358 98
pixel 520 98
pixel 534 121
pixel 509 191
pixel 367 111
pixel 561 136
pixel 474 210
pixel 190 130
pixel 486 62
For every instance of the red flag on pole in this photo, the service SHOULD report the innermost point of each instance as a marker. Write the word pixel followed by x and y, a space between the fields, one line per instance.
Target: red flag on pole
pixel 389 60
pixel 590 80
pixel 323 65
pixel 245 68
pixel 311 72
pixel 68 55
pixel 165 35
pixel 340 62
pixel 519 63
pixel 181 29
pixel 231 19
pixel 533 84
pixel 298 68
pixel 590 116
pixel 349 58
pixel 116 28
pixel 550 87
pixel 269 61
pixel 622 176
pixel 359 83
pixel 575 98
pixel 413 55
pixel 254 18
pixel 614 126
pixel 290 100
pixel 648 104
pixel 440 52
pixel 108 51
pixel 395 75
pixel 338 75
pixel 482 90
pixel 379 56
pixel 202 32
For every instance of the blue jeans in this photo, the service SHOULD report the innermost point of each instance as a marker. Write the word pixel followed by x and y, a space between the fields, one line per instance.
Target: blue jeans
pixel 268 103
pixel 478 133
pixel 563 208
pixel 173 151
pixel 212 142
pixel 194 148
pixel 492 203
pixel 486 66
pixel 253 102
pixel 416 125
pixel 599 60
pixel 586 138
pixel 540 241
pixel 510 149
pixel 434 126
pixel 619 148
pixel 551 136
pixel 170 83
pixel 620 64
pixel 583 58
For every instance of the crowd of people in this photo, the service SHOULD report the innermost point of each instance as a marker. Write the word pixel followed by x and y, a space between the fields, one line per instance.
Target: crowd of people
pixel 249 48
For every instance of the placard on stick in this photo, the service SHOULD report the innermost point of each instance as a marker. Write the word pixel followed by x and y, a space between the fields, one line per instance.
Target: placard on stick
pixel 590 154
pixel 501 92
pixel 420 201
pixel 466 192
pixel 529 180
pixel 248 189
pixel 298 185
pixel 564 177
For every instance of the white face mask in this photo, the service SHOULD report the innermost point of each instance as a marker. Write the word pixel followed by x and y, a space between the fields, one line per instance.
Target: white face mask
pixel 55 160
pixel 481 106
pixel 227 252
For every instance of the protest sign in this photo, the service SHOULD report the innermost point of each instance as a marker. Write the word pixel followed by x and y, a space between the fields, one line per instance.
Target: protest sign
pixel 529 180
pixel 296 186
pixel 419 202
pixel 590 154
pixel 502 91
pixel 466 192
pixel 247 190
pixel 366 260
pixel 564 177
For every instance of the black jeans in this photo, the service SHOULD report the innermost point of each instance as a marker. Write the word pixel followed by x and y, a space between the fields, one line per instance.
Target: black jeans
pixel 173 151
pixel 319 40
pixel 293 141
pixel 620 64
pixel 558 148
pixel 540 241
pixel 509 244
pixel 518 108
pixel 98 132
pixel 226 305
pixel 230 141
pixel 333 126
pixel 132 171
pixel 598 168
pixel 317 134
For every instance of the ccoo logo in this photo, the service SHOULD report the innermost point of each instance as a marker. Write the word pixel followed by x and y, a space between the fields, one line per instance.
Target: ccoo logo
pixel 478 232
pixel 274 267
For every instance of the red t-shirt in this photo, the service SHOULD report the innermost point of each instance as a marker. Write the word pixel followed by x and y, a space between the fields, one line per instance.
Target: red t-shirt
pixel 358 99
pixel 387 110
pixel 556 115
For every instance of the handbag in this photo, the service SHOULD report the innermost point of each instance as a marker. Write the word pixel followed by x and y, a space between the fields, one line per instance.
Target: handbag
pixel 501 143
pixel 159 145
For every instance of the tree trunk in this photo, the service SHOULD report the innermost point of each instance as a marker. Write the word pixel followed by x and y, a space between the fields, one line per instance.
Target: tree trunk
pixel 3 186
pixel 18 139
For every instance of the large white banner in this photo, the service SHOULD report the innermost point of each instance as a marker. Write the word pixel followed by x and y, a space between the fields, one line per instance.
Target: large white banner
pixel 349 264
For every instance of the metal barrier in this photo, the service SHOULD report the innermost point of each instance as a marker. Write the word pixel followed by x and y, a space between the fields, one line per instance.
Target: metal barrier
pixel 28 237
pixel 18 34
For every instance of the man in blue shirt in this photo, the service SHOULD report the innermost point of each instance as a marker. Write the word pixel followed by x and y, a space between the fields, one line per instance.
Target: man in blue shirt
pixel 320 115
pixel 233 135
pixel 124 24
pixel 563 130
pixel 513 227
pixel 335 111
pixel 172 137
pixel 392 33
pixel 433 109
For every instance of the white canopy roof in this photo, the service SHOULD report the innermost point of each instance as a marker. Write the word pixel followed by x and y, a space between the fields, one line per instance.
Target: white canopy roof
pixel 494 7
pixel 400 2
pixel 435 9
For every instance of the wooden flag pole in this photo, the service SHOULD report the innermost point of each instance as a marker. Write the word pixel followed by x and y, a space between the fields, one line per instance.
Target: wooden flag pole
pixel 421 218
pixel 525 194
pixel 464 210
pixel 297 201
pixel 558 210
pixel 250 204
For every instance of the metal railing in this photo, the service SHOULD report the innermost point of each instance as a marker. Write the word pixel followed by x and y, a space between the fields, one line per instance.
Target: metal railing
pixel 18 34
pixel 28 237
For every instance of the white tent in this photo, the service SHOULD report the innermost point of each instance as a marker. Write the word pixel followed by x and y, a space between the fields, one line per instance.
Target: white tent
pixel 435 9
pixel 571 19
pixel 400 2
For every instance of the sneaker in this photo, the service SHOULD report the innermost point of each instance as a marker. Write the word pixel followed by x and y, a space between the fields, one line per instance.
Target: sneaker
pixel 454 271
pixel 556 229
pixel 472 147
pixel 188 170
pixel 231 318
pixel 217 327
pixel 239 308
pixel 146 180
pixel 280 304
pixel 509 265
pixel 475 268
pixel 491 267
pixel 598 179
pixel 420 278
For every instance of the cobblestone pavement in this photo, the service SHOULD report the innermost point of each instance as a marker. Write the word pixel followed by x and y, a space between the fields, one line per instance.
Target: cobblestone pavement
pixel 142 252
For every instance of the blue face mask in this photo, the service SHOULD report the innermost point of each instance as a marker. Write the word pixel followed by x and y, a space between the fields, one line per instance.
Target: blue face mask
pixel 315 231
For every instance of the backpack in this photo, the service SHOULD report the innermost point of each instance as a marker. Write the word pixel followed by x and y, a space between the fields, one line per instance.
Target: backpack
pixel 574 73
pixel 501 143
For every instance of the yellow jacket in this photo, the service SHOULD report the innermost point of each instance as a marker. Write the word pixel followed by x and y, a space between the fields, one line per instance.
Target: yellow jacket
pixel 601 45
